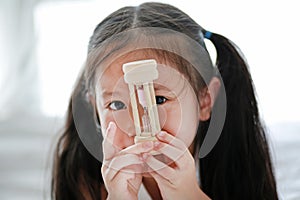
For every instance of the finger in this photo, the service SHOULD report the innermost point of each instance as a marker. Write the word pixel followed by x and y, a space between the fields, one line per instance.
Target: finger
pixel 161 168
pixel 162 182
pixel 170 151
pixel 170 139
pixel 110 132
pixel 121 178
pixel 134 185
pixel 118 163
pixel 109 150
pixel 128 175
pixel 134 149
pixel 138 148
pixel 128 181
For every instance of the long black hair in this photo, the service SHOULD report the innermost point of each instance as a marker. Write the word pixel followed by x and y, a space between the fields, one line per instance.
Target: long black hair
pixel 238 167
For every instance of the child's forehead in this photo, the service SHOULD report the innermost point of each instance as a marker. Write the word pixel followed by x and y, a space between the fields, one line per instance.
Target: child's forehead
pixel 113 75
pixel 114 69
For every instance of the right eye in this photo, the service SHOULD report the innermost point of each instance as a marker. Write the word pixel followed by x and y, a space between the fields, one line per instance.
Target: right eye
pixel 160 100
pixel 117 105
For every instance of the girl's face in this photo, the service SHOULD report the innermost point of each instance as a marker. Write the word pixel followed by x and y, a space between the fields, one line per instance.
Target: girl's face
pixel 176 101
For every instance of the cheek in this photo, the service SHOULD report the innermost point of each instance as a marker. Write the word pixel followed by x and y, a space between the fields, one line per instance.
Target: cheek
pixel 124 121
pixel 180 119
pixel 122 137
pixel 190 121
pixel 170 117
pixel 121 118
pixel 105 118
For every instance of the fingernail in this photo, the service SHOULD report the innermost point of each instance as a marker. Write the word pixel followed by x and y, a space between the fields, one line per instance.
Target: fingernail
pixel 141 158
pixel 145 156
pixel 147 145
pixel 161 134
pixel 156 144
pixel 111 126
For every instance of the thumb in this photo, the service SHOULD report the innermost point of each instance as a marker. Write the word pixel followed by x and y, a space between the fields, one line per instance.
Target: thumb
pixel 109 150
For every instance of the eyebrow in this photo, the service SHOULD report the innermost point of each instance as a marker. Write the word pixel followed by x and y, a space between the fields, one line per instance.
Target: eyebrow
pixel 107 94
pixel 159 87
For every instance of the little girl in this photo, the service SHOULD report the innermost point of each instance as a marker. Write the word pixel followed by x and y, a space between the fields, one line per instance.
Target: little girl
pixel 196 159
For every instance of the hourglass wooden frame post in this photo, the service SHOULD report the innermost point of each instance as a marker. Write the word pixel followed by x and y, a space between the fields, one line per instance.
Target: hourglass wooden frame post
pixel 139 75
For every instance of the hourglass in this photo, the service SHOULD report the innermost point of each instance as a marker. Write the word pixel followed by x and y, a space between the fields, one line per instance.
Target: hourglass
pixel 139 76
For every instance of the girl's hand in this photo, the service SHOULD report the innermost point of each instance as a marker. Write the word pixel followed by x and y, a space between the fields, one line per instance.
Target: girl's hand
pixel 178 179
pixel 121 169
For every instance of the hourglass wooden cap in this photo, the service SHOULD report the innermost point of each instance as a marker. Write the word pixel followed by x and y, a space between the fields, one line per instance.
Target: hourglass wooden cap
pixel 140 71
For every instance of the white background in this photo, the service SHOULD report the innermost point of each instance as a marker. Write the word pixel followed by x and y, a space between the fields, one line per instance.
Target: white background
pixel 266 31
pixel 43 45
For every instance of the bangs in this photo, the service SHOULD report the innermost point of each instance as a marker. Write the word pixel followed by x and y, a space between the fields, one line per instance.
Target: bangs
pixel 164 45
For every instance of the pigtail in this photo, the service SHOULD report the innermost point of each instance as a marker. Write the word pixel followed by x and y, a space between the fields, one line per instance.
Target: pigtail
pixel 76 173
pixel 239 166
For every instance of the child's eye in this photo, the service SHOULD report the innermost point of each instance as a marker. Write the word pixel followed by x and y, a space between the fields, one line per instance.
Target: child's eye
pixel 117 105
pixel 160 100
